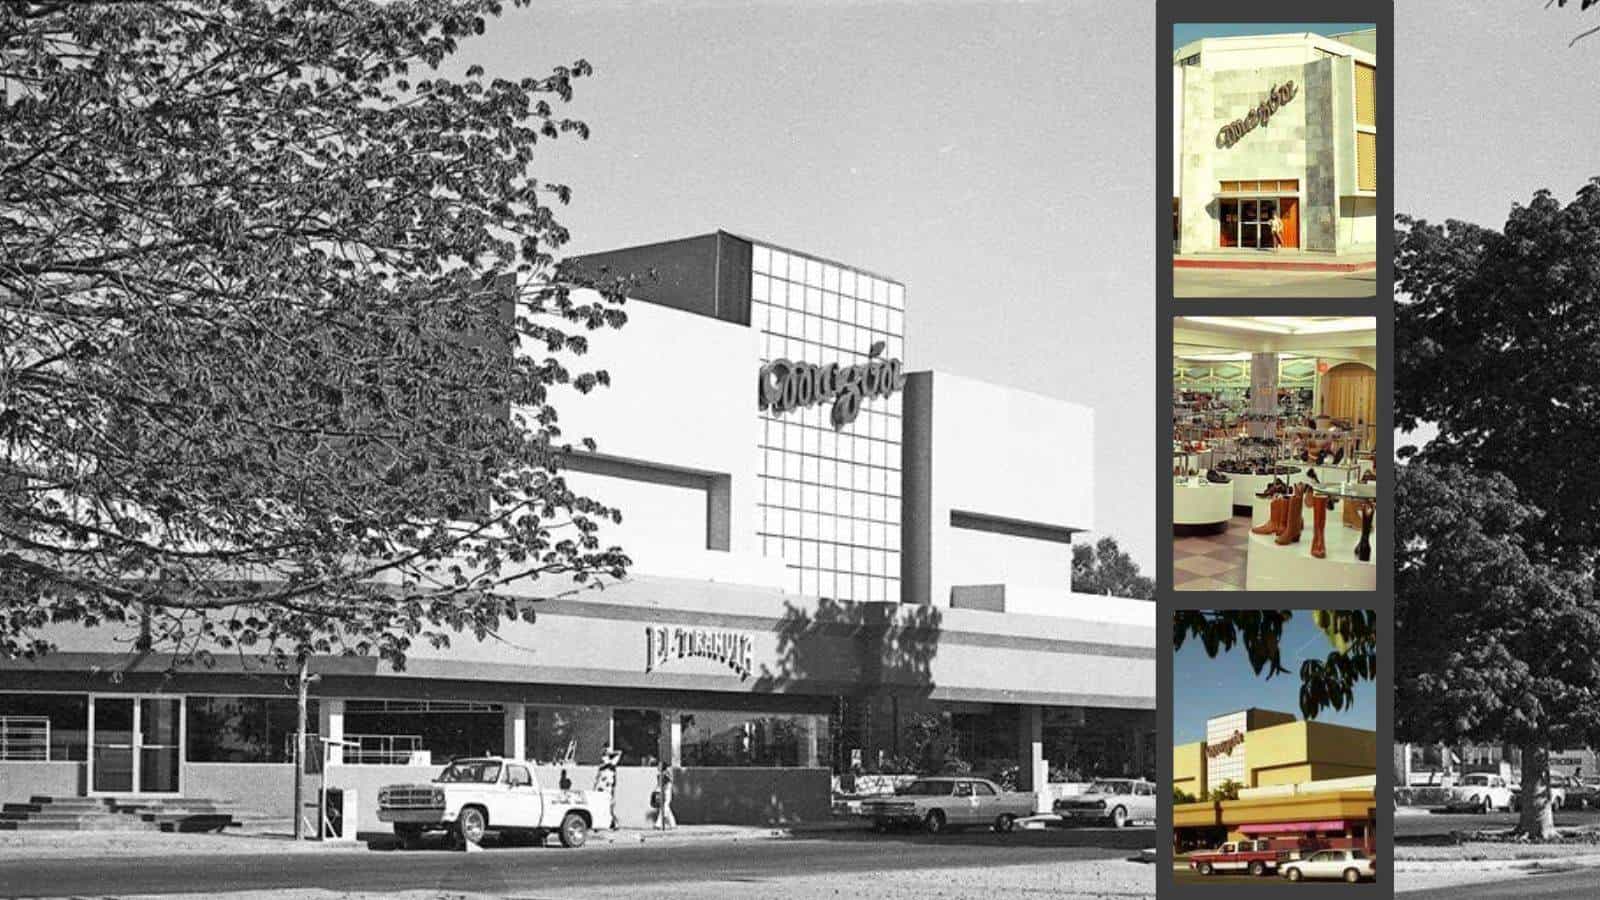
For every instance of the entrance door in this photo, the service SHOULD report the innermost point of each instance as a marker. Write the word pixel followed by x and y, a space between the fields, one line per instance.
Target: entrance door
pixel 136 744
pixel 1290 213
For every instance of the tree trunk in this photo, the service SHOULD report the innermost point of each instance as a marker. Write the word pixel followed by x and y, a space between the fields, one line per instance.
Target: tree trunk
pixel 1537 821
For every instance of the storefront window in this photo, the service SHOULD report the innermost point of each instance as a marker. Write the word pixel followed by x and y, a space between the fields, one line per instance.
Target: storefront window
pixel 713 738
pixel 244 729
pixel 44 726
pixel 561 733
pixel 397 732
pixel 637 733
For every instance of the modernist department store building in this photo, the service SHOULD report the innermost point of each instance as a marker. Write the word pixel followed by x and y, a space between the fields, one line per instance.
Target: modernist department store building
pixel 819 572
pixel 1299 780
pixel 1280 124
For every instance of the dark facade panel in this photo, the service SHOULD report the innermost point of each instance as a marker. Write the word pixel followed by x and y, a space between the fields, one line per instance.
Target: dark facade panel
pixel 708 275
pixel 916 490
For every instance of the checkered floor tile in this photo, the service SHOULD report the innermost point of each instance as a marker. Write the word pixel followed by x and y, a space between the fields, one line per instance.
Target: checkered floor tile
pixel 1212 562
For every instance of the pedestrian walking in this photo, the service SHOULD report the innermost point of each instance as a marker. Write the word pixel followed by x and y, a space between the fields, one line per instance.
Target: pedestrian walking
pixel 605 780
pixel 664 817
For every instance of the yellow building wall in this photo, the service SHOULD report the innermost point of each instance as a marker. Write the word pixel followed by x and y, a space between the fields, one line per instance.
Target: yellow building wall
pixel 1189 768
pixel 1296 752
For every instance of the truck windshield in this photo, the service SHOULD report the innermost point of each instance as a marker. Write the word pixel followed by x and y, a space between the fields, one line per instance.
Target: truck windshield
pixel 470 771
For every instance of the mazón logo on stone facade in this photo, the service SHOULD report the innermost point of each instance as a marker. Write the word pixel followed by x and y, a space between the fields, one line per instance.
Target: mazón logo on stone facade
pixel 1278 97
pixel 785 384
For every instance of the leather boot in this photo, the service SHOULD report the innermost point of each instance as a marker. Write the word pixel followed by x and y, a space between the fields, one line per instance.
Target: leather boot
pixel 1364 548
pixel 1274 522
pixel 1319 521
pixel 1295 520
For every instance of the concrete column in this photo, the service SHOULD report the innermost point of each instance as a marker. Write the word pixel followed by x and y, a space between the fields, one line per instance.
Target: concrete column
pixel 1035 774
pixel 516 730
pixel 330 725
pixel 808 751
pixel 671 737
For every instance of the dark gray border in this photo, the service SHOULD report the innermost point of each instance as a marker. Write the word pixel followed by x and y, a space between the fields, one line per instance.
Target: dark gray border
pixel 1168 12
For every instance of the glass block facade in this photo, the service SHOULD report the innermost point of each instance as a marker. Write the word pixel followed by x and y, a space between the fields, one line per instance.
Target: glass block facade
pixel 1229 765
pixel 830 500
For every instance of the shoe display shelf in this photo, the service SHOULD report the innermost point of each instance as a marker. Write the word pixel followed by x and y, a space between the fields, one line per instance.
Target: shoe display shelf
pixel 1196 501
pixel 1246 487
pixel 1270 566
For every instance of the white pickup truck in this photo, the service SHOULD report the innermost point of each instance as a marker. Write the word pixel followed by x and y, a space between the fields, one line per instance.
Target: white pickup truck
pixel 474 796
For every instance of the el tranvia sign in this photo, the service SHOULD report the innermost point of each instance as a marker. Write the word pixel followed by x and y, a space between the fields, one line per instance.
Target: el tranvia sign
pixel 1276 98
pixel 786 385
pixel 730 648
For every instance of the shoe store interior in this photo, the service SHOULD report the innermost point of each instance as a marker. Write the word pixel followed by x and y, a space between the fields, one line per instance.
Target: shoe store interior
pixel 1274 486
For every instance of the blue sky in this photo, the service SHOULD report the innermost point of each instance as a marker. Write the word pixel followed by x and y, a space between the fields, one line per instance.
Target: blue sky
pixel 1184 32
pixel 1204 687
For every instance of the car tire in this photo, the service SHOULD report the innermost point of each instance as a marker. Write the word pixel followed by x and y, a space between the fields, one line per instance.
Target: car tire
pixel 1352 876
pixel 1293 874
pixel 1119 817
pixel 1205 868
pixel 471 823
pixel 574 831
pixel 1258 868
pixel 1006 823
pixel 933 822
pixel 408 836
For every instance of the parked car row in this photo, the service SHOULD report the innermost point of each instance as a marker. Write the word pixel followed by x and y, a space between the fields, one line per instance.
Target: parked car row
pixel 942 803
pixel 1265 857
pixel 1484 792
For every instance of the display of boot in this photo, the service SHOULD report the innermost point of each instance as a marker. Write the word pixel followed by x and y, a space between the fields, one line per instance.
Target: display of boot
pixel 1322 456
pixel 1319 522
pixel 1311 476
pixel 1215 477
pixel 1364 546
pixel 1294 520
pixel 1275 516
pixel 1338 457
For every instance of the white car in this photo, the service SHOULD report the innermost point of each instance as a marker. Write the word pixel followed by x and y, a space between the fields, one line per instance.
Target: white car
pixel 474 796
pixel 1481 792
pixel 939 804
pixel 1113 801
pixel 1348 865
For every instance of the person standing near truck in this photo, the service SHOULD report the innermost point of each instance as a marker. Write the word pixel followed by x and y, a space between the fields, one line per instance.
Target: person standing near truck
pixel 605 780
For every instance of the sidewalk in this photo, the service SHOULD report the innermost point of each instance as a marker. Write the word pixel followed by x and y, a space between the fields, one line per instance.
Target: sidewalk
pixel 102 844
pixel 1278 260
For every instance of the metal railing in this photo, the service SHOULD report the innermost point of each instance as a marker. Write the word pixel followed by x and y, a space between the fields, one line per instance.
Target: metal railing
pixel 381 749
pixel 24 738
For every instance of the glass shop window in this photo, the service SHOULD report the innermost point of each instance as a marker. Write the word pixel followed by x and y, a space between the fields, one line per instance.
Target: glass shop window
pixel 637 733
pixel 244 729
pixel 44 727
pixel 717 738
pixel 421 732
pixel 577 734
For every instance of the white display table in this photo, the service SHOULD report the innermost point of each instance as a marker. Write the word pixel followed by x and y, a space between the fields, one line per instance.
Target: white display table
pixel 1201 502
pixel 1291 567
pixel 1246 487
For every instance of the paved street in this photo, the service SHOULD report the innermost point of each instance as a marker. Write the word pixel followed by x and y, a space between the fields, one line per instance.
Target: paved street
pixel 870 862
pixel 1257 283
pixel 1189 876
pixel 1577 882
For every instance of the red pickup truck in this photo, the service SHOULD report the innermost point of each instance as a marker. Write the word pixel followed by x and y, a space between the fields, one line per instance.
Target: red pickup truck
pixel 1255 857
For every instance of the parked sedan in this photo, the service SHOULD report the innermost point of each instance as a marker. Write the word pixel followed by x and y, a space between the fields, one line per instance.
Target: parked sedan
pixel 1117 802
pixel 1347 865
pixel 1481 792
pixel 939 804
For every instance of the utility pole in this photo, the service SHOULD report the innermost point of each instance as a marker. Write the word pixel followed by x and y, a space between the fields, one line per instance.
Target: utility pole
pixel 302 682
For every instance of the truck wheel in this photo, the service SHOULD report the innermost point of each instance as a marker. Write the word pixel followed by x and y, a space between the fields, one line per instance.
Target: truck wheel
pixel 1258 868
pixel 1352 876
pixel 1006 822
pixel 574 830
pixel 1119 818
pixel 1205 868
pixel 407 834
pixel 933 823
pixel 470 825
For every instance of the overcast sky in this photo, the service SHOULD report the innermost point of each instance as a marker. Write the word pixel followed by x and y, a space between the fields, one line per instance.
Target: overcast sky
pixel 999 158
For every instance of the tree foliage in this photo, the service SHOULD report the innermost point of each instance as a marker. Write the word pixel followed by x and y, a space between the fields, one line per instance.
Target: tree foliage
pixel 1498 646
pixel 257 381
pixel 1488 344
pixel 1327 683
pixel 1105 569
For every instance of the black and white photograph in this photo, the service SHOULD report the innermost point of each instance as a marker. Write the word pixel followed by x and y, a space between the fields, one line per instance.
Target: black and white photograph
pixel 461 449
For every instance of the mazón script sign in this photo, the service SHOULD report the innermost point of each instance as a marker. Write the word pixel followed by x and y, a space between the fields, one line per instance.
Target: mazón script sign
pixel 1278 97
pixel 786 385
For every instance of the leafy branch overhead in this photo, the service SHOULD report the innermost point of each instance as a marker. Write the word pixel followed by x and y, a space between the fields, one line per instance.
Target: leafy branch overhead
pixel 263 270
pixel 1327 683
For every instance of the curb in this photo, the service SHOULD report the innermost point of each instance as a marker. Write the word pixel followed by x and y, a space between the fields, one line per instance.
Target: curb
pixel 1586 861
pixel 1269 265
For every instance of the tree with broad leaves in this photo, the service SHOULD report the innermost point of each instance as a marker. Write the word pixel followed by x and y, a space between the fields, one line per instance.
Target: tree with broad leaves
pixel 1582 5
pixel 1327 683
pixel 1105 569
pixel 1497 646
pixel 282 330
